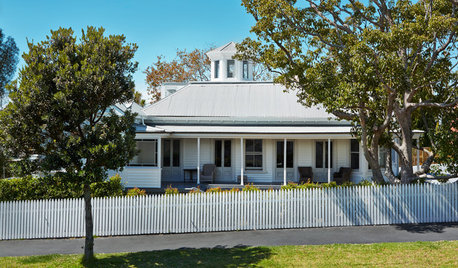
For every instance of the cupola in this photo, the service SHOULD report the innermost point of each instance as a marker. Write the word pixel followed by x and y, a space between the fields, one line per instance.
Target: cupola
pixel 226 69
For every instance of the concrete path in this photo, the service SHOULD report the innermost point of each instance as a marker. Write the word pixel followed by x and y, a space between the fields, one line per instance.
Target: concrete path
pixel 309 236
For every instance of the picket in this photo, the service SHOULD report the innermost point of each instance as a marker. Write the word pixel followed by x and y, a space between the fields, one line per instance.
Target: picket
pixel 208 212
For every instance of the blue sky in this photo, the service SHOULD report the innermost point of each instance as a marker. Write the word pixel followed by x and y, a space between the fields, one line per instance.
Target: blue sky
pixel 158 27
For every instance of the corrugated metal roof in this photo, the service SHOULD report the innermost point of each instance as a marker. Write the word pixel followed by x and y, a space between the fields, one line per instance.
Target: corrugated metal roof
pixel 236 100
pixel 256 130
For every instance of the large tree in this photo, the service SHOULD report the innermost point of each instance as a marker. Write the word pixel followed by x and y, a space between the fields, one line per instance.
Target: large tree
pixel 60 108
pixel 373 63
pixel 186 67
pixel 8 62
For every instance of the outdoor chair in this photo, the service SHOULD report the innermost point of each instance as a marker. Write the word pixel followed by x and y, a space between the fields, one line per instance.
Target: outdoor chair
pixel 208 173
pixel 305 174
pixel 343 175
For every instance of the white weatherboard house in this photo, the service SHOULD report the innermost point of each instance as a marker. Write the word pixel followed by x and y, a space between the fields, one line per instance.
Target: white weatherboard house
pixel 250 130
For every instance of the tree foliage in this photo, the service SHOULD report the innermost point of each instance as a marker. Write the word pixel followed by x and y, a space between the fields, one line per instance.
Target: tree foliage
pixel 60 108
pixel 188 66
pixel 373 63
pixel 138 99
pixel 8 61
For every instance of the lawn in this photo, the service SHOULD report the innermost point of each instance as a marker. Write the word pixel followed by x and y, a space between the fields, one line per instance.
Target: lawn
pixel 417 254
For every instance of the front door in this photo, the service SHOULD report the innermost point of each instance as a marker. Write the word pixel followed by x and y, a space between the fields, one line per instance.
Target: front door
pixel 171 170
pixel 223 160
pixel 289 161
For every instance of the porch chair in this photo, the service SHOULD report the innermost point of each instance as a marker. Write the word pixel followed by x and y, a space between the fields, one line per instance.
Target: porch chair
pixel 208 173
pixel 305 174
pixel 343 175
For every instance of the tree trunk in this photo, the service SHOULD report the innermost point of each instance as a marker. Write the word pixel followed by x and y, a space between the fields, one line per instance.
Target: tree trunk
pixel 404 150
pixel 389 167
pixel 426 166
pixel 89 241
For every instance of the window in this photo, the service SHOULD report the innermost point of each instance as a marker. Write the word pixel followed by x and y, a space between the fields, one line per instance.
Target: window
pixel 171 153
pixel 147 155
pixel 289 154
pixel 216 69
pixel 253 154
pixel 223 153
pixel 245 69
pixel 230 68
pixel 354 154
pixel 176 153
pixel 321 154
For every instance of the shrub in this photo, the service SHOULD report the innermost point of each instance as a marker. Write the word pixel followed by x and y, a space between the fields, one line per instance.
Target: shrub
pixel 331 184
pixel 170 190
pixel 233 190
pixel 291 185
pixel 347 184
pixel 250 188
pixel 54 187
pixel 135 192
pixel 214 190
pixel 365 183
pixel 110 187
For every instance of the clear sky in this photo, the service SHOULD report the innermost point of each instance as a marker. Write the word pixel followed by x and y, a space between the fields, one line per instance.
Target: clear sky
pixel 159 27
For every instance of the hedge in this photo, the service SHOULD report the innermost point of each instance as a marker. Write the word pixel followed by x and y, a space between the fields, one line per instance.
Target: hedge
pixel 54 187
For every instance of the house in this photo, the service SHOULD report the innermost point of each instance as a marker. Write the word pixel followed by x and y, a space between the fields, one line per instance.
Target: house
pixel 254 132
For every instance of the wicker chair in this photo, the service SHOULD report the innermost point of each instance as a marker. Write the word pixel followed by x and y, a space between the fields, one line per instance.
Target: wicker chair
pixel 344 175
pixel 208 173
pixel 305 174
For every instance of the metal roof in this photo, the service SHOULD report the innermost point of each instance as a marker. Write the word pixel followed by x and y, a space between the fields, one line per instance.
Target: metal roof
pixel 239 101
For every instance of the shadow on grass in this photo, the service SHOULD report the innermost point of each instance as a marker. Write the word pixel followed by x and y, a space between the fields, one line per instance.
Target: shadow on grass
pixel 426 227
pixel 218 256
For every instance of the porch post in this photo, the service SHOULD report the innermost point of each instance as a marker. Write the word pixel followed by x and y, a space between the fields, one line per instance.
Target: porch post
pixel 284 162
pixel 198 160
pixel 159 158
pixel 418 154
pixel 241 161
pixel 159 152
pixel 329 160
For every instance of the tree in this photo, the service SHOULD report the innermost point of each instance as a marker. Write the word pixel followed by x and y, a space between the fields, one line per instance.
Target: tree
pixel 373 64
pixel 446 136
pixel 138 98
pixel 192 66
pixel 8 61
pixel 60 104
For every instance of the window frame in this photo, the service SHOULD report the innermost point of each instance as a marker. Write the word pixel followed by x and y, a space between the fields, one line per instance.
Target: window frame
pixel 245 71
pixel 216 69
pixel 354 152
pixel 324 157
pixel 171 154
pixel 279 160
pixel 155 154
pixel 254 153
pixel 228 64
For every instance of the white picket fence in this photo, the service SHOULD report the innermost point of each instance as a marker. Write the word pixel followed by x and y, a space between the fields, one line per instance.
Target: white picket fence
pixel 161 214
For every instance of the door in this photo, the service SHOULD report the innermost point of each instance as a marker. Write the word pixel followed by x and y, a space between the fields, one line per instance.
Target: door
pixel 320 173
pixel 223 160
pixel 171 155
pixel 289 161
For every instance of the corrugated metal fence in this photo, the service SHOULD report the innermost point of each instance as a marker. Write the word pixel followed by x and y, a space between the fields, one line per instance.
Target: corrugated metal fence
pixel 160 214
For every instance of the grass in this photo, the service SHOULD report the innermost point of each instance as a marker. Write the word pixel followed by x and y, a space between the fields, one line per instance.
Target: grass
pixel 416 254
